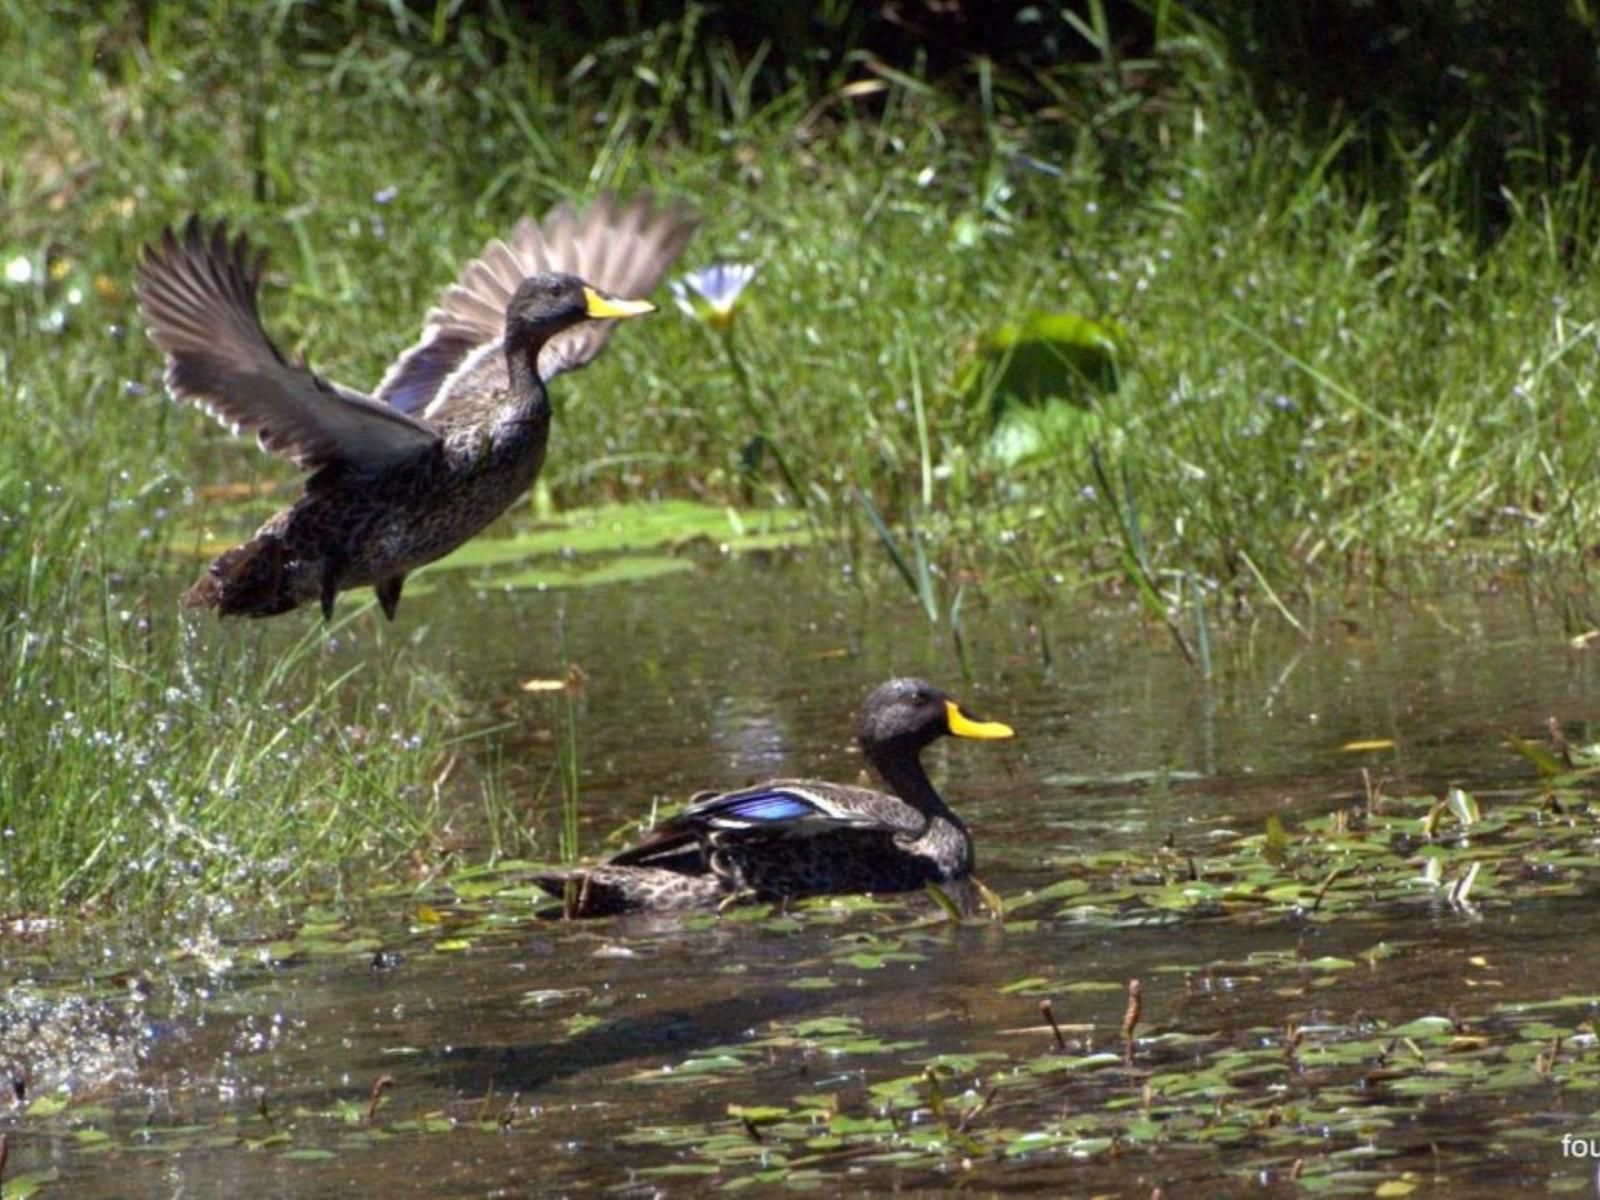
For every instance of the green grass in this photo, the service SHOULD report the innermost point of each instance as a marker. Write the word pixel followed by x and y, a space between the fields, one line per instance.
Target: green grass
pixel 1319 389
pixel 146 769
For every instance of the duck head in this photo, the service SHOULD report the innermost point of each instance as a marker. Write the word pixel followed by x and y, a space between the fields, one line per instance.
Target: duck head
pixel 545 304
pixel 911 713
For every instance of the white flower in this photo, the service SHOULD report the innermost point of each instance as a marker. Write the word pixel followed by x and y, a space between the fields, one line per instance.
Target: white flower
pixel 712 294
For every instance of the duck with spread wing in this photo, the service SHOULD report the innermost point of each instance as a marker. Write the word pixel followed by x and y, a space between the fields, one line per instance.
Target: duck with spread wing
pixel 455 431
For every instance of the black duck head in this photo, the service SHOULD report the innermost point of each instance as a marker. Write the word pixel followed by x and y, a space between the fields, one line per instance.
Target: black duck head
pixel 545 304
pixel 907 714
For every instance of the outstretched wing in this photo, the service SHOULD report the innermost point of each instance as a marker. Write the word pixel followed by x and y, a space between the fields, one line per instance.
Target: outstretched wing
pixel 198 290
pixel 623 249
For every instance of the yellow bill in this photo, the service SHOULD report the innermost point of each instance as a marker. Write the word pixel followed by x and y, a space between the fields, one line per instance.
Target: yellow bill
pixel 598 304
pixel 964 726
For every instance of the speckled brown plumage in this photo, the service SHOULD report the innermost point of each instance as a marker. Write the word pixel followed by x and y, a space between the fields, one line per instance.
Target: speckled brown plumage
pixel 802 837
pixel 455 431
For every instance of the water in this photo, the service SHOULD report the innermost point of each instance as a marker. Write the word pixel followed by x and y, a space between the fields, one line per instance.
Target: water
pixel 533 1057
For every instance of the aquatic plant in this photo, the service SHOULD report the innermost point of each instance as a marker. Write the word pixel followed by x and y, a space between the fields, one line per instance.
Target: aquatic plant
pixel 711 294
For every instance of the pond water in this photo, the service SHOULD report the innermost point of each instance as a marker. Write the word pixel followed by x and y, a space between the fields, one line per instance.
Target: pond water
pixel 1324 1008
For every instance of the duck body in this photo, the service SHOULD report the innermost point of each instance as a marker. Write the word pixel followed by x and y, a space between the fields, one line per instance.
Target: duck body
pixel 357 527
pixel 456 430
pixel 803 837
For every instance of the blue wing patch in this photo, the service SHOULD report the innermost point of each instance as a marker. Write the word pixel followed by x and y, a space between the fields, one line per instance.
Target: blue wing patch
pixel 766 806
pixel 413 382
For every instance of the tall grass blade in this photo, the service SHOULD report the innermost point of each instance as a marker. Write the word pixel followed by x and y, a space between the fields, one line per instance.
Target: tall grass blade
pixel 1135 568
pixel 919 411
pixel 916 581
pixel 925 589
pixel 571 773
pixel 958 637
pixel 1202 633
pixel 1272 596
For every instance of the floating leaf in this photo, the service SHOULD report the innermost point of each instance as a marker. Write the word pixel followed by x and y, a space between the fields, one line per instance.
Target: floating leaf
pixel 628 569
pixel 1463 806
pixel 20 1187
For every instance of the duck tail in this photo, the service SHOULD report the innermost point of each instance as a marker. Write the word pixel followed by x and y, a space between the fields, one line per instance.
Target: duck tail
pixel 246 581
pixel 608 891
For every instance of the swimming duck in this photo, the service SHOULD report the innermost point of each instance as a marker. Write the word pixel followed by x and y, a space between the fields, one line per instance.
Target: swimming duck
pixel 803 837
pixel 455 431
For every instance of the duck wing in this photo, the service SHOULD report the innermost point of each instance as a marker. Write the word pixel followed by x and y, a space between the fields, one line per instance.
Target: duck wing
pixel 197 290
pixel 623 249
pixel 783 808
